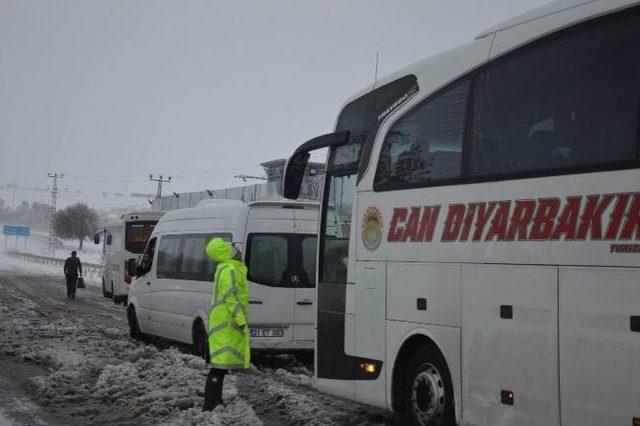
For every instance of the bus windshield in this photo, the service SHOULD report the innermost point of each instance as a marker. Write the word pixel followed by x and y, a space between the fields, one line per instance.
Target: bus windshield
pixel 361 118
pixel 137 234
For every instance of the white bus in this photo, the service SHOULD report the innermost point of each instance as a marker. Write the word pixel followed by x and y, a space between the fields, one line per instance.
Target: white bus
pixel 123 239
pixel 484 268
pixel 172 293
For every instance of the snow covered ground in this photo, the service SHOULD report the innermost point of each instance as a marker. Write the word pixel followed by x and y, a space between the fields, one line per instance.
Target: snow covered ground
pixel 38 243
pixel 88 370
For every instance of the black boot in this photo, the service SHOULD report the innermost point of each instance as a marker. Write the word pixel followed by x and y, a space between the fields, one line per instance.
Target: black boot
pixel 213 389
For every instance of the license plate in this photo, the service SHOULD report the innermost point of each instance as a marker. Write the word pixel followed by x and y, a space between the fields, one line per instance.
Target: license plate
pixel 267 332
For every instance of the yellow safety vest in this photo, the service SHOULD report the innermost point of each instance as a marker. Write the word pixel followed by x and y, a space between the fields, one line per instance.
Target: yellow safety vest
pixel 229 346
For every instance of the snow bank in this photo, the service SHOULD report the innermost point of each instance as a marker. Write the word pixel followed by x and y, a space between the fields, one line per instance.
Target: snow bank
pixel 99 375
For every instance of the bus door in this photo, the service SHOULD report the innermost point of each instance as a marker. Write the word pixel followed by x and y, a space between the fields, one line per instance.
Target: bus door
pixel 337 366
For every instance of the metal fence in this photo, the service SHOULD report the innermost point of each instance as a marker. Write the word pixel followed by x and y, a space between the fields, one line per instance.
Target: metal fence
pixel 88 269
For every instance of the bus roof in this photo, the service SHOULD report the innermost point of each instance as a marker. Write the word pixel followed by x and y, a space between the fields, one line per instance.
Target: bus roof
pixel 143 215
pixel 553 13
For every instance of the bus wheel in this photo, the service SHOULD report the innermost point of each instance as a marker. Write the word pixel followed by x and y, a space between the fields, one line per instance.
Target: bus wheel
pixel 428 390
pixel 134 327
pixel 200 341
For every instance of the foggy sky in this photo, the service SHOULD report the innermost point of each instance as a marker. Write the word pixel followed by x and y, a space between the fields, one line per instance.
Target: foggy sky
pixel 110 91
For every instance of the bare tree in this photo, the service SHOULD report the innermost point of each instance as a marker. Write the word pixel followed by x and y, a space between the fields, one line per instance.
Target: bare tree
pixel 77 221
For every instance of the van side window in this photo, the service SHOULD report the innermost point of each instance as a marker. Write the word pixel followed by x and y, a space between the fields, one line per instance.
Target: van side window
pixel 183 257
pixel 570 103
pixel 169 256
pixel 195 265
pixel 425 146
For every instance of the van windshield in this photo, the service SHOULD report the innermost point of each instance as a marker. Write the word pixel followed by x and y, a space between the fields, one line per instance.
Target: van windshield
pixel 137 234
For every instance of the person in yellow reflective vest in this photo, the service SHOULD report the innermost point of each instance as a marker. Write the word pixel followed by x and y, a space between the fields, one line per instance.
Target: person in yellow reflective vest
pixel 229 346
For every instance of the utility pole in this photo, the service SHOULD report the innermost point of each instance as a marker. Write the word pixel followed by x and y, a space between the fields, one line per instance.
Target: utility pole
pixel 160 181
pixel 13 186
pixel 54 198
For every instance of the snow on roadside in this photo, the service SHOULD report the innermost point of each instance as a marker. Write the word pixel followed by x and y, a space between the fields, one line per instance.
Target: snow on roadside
pixel 291 398
pixel 10 263
pixel 99 375
pixel 5 421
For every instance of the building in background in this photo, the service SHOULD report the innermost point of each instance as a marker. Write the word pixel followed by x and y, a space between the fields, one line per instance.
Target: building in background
pixel 269 190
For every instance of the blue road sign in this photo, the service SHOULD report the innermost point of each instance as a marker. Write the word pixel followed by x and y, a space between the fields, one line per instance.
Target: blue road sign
pixel 20 231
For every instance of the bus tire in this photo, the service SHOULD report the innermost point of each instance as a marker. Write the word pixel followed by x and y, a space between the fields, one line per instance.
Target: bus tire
pixel 427 388
pixel 200 341
pixel 134 327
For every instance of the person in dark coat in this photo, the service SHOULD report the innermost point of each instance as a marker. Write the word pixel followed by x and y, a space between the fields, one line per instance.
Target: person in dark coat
pixel 72 270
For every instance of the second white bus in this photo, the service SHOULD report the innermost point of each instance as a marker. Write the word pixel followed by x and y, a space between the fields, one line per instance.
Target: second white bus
pixel 123 239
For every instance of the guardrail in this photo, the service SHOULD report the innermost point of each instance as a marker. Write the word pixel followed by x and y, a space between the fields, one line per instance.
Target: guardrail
pixel 87 267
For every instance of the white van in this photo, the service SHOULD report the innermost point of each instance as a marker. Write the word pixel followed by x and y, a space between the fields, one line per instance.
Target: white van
pixel 123 239
pixel 171 296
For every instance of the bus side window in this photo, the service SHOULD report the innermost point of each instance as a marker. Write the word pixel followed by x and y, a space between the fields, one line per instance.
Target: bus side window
pixel 425 146
pixel 565 104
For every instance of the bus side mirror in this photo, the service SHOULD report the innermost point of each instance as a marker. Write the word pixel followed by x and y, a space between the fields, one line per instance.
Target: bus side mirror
pixel 96 238
pixel 132 267
pixel 108 239
pixel 293 175
pixel 294 169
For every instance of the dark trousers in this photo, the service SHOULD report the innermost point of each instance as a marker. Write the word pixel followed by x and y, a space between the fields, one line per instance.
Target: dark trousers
pixel 213 389
pixel 71 285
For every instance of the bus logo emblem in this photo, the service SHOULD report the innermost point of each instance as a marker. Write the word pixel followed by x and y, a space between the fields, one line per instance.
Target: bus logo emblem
pixel 372 228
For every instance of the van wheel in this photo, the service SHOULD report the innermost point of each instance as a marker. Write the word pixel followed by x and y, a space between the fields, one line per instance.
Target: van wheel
pixel 200 341
pixel 427 389
pixel 104 290
pixel 134 327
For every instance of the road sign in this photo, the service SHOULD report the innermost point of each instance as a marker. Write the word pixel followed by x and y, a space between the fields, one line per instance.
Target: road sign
pixel 17 230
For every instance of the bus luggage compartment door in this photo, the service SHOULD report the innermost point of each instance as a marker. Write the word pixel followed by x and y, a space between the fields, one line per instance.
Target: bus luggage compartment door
pixel 599 345
pixel 510 345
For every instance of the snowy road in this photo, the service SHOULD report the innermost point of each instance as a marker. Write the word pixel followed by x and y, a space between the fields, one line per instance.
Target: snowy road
pixel 72 362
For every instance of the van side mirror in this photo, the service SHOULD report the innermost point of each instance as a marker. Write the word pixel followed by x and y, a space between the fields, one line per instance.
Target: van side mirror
pixel 294 169
pixel 96 238
pixel 132 267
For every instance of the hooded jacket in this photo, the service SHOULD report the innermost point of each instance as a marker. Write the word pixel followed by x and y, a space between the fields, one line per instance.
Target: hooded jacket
pixel 229 346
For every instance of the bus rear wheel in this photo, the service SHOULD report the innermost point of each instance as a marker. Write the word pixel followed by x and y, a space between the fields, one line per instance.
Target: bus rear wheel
pixel 428 392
